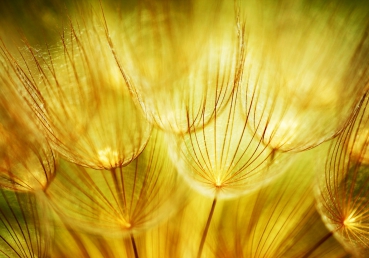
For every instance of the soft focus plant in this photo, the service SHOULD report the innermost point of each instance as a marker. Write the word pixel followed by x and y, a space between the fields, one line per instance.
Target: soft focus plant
pixel 306 69
pixel 343 189
pixel 86 109
pixel 123 123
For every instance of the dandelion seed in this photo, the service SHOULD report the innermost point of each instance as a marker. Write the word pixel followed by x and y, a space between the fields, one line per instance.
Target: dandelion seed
pixel 27 162
pixel 121 201
pixel 277 220
pixel 182 74
pixel 82 105
pixel 305 70
pixel 224 158
pixel 343 188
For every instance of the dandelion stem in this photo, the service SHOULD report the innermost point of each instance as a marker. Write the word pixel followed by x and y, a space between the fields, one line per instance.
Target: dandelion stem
pixel 134 246
pixel 205 233
pixel 117 188
pixel 321 241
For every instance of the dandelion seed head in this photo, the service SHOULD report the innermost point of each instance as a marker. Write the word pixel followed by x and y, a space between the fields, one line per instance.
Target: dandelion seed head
pixel 108 156
pixel 343 194
pixel 291 72
pixel 350 221
pixel 27 162
pixel 201 74
pixel 224 158
pixel 238 83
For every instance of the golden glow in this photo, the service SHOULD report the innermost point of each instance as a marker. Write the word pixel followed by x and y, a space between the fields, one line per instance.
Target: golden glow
pixel 175 128
pixel 108 156
pixel 180 96
pixel 121 200
pixel 293 78
pixel 349 222
pixel 225 159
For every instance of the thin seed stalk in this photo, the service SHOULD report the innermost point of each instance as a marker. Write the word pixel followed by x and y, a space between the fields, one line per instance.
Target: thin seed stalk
pixel 206 229
pixel 134 246
pixel 117 187
pixel 316 246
